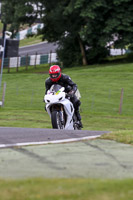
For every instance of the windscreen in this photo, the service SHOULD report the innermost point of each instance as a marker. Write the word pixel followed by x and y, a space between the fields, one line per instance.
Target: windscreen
pixel 55 88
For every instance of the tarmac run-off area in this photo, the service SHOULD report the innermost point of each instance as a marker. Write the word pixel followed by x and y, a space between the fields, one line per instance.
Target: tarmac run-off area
pixel 94 158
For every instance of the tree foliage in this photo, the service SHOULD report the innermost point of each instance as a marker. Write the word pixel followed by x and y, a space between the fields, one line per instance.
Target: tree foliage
pixel 83 28
pixel 17 13
pixel 93 23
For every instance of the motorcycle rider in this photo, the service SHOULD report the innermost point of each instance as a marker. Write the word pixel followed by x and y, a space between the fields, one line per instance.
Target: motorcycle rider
pixel 56 77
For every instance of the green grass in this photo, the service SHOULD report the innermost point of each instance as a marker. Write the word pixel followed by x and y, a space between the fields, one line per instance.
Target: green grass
pixel 61 189
pixel 1 26
pixel 100 87
pixel 31 40
pixel 120 136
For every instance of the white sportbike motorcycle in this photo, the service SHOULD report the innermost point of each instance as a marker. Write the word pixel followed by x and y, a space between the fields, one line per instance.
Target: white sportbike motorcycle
pixel 60 109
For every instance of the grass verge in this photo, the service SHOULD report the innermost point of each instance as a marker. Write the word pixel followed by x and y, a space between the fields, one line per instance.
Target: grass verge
pixel 120 136
pixel 30 40
pixel 73 189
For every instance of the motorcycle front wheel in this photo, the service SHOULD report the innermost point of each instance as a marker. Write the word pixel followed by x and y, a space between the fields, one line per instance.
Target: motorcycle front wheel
pixel 56 120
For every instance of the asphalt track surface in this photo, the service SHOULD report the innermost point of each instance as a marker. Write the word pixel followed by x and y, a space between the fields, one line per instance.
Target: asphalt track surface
pixel 40 48
pixel 10 137
pixel 95 158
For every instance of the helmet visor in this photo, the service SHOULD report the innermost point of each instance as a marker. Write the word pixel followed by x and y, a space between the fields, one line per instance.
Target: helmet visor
pixel 53 76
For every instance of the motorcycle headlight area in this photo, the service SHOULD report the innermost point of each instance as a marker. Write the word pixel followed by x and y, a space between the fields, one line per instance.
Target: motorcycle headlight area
pixel 47 101
pixel 54 98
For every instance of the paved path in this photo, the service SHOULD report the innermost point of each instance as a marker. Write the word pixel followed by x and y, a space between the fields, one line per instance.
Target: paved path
pixel 95 158
pixel 89 159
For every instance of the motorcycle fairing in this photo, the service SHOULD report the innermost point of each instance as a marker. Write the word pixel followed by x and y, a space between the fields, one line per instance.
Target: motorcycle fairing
pixel 69 109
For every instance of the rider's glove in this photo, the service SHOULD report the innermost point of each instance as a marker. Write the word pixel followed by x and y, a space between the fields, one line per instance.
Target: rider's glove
pixel 71 93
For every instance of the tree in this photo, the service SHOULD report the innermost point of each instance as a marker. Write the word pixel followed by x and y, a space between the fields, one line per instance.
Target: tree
pixel 60 24
pixel 83 28
pixel 93 23
pixel 17 13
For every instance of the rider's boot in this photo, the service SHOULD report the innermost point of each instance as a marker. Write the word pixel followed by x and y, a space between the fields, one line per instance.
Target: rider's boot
pixel 79 118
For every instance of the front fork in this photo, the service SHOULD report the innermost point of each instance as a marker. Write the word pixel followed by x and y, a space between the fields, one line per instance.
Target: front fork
pixel 60 110
pixel 62 115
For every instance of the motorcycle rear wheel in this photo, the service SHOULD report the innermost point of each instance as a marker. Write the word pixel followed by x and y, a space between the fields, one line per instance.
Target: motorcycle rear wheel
pixel 56 120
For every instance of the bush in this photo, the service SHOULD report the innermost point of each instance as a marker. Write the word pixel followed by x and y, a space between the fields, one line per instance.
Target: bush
pixel 129 57
pixel 97 55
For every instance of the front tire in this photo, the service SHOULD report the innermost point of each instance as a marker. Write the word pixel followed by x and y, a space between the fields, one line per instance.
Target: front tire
pixel 56 120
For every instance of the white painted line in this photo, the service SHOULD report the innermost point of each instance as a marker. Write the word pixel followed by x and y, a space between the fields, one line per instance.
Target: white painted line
pixel 48 142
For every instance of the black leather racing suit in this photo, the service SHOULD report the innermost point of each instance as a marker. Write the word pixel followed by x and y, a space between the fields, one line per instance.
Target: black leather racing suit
pixel 66 82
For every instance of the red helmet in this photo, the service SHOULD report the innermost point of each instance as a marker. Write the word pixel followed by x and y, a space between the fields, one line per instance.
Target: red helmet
pixel 55 73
